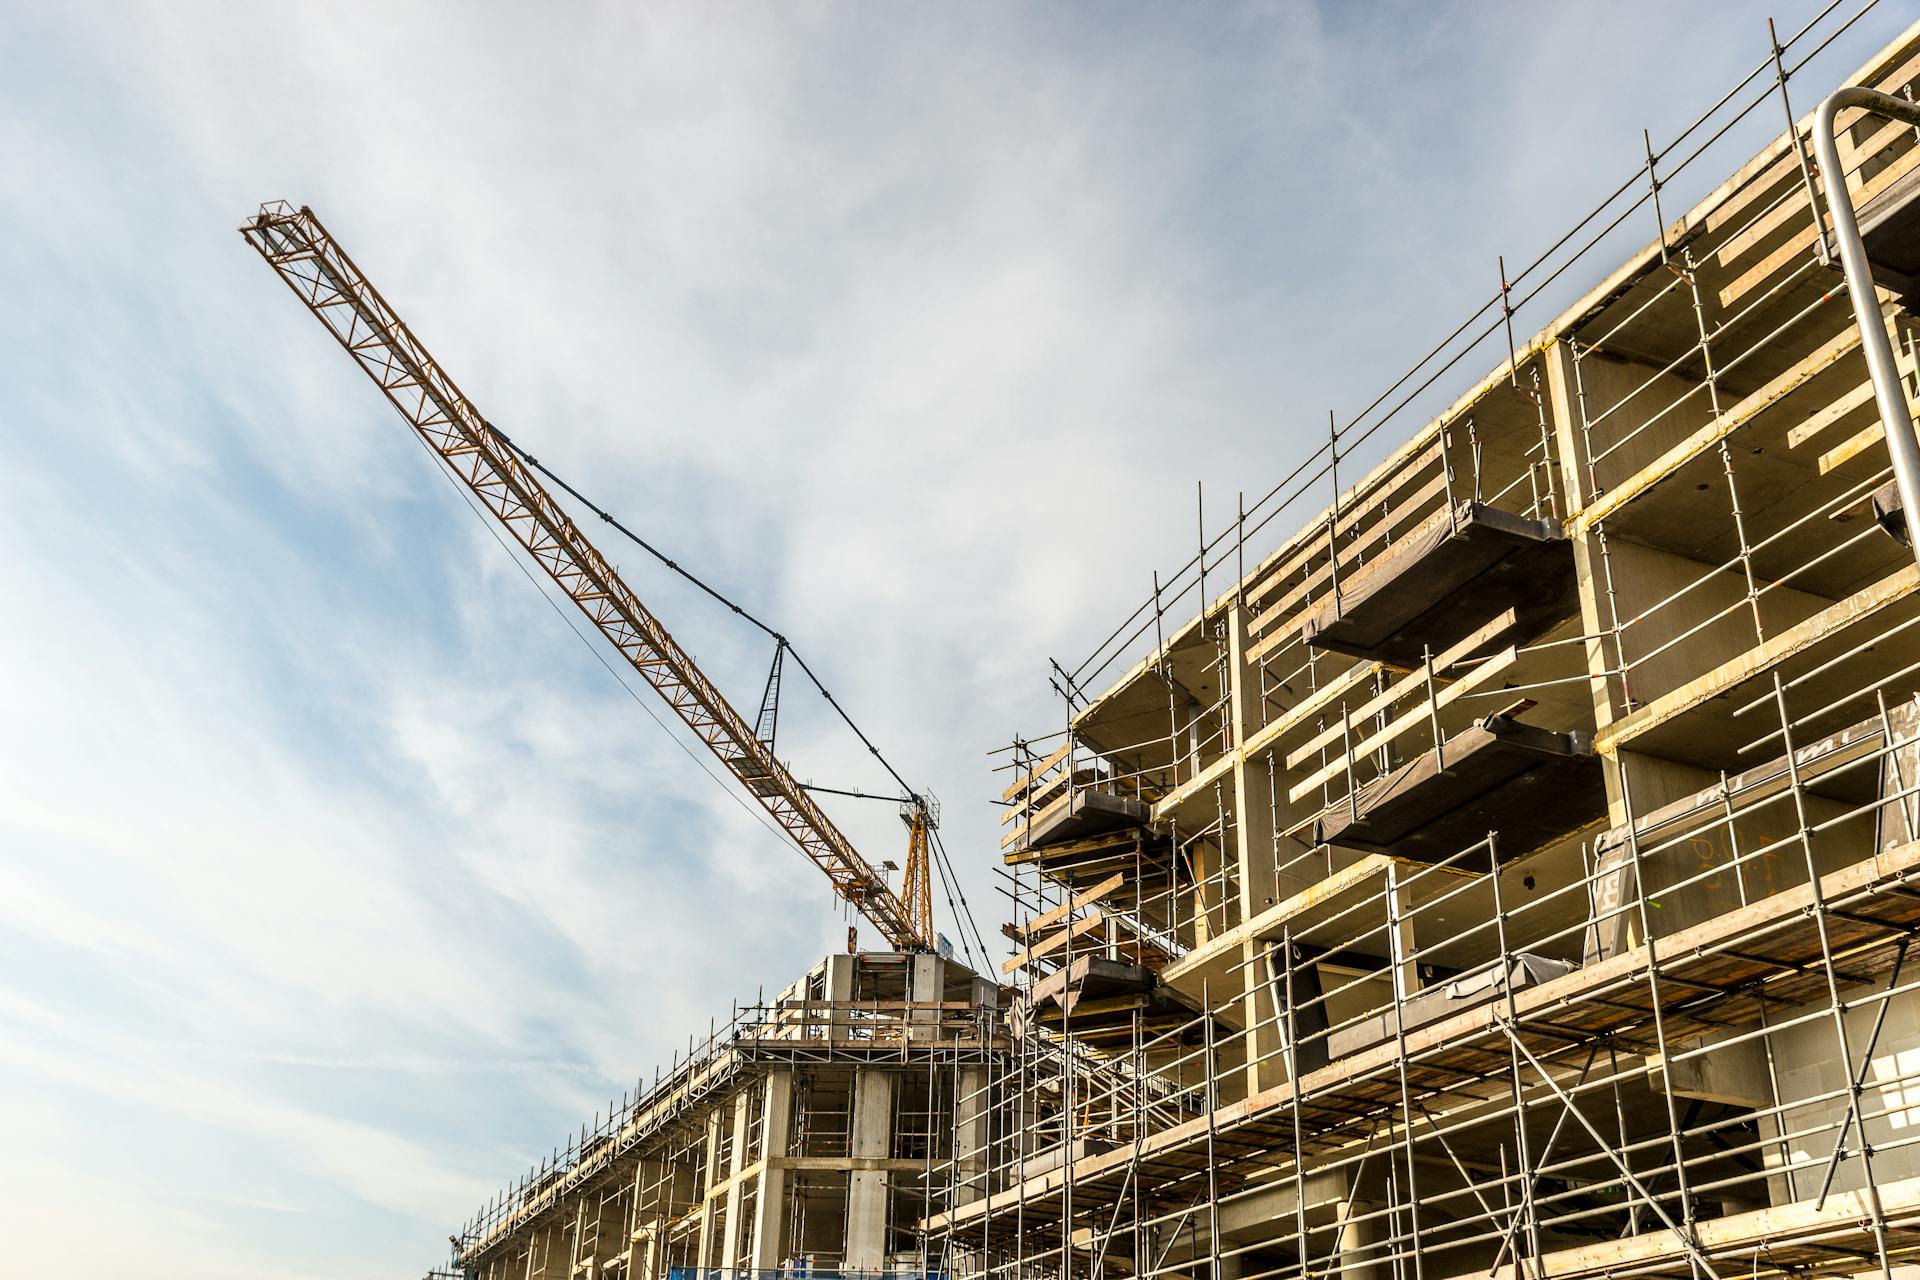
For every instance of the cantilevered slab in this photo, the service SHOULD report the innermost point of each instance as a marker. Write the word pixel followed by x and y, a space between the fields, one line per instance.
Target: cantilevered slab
pixel 1093 977
pixel 1435 585
pixel 1890 228
pixel 1101 1000
pixel 1110 1022
pixel 1532 785
pixel 1084 813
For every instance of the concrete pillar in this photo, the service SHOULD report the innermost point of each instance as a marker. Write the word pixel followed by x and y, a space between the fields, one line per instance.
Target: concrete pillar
pixel 715 1164
pixel 839 992
pixel 1400 941
pixel 1271 866
pixel 640 1218
pixel 1362 1249
pixel 1253 856
pixel 583 1245
pixel 872 1139
pixel 769 1247
pixel 625 1225
pixel 546 1254
pixel 664 1189
pixel 925 985
pixel 1206 896
pixel 736 1184
pixel 972 1130
pixel 1194 761
pixel 1266 1042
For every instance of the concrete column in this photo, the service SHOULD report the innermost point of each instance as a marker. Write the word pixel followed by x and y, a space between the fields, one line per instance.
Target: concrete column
pixel 663 1190
pixel 840 991
pixel 639 1219
pixel 1568 437
pixel 1253 856
pixel 872 1139
pixel 628 1223
pixel 585 1224
pixel 1266 1042
pixel 736 1165
pixel 972 1130
pixel 715 1164
pixel 1194 761
pixel 1362 1251
pixel 925 984
pixel 546 1255
pixel 769 1247
pixel 1206 898
pixel 1400 941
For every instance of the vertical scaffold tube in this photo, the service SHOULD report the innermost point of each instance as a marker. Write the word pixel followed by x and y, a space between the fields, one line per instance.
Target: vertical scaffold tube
pixel 1891 398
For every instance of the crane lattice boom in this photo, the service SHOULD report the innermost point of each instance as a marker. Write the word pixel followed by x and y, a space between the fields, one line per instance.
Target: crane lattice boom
pixel 324 278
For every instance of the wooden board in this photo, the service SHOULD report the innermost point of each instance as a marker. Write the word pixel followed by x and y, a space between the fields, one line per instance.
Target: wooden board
pixel 1047 919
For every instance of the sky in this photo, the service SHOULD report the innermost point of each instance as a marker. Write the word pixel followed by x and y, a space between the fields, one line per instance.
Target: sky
pixel 339 880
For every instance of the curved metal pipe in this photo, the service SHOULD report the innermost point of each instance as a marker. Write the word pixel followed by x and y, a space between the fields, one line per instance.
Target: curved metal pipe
pixel 1888 394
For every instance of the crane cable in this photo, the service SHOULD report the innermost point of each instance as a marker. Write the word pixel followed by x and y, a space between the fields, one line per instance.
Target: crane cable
pixel 674 565
pixel 950 880
pixel 733 793
pixel 950 885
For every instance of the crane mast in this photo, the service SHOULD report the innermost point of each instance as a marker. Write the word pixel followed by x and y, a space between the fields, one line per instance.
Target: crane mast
pixel 325 279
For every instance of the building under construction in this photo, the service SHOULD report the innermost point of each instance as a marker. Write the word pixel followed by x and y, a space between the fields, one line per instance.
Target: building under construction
pixel 1511 874
pixel 817 1129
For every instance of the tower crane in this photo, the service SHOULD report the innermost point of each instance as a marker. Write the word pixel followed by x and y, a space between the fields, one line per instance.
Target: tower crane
pixel 325 279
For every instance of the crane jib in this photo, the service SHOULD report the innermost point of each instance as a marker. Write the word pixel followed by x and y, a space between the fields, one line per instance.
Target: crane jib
pixel 326 280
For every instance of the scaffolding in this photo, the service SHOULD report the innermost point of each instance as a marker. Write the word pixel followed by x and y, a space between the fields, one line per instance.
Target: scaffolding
pixel 811 1132
pixel 1513 873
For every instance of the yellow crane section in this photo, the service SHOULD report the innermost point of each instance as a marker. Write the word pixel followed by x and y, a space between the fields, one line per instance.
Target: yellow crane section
pixel 324 278
pixel 921 815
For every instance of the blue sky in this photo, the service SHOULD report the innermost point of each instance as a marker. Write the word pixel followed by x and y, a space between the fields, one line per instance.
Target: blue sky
pixel 337 879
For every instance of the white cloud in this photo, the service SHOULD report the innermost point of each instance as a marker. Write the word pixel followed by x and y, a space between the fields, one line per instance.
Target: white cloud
pixel 331 867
